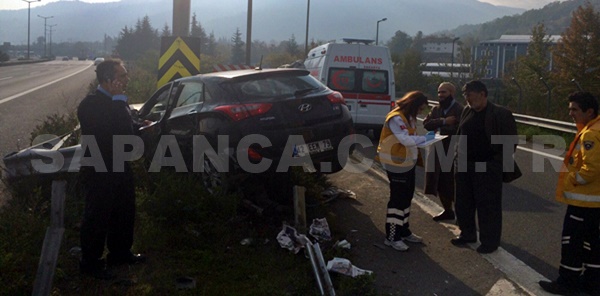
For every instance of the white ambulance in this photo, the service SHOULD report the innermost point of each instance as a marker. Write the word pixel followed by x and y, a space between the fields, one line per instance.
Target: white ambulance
pixel 363 73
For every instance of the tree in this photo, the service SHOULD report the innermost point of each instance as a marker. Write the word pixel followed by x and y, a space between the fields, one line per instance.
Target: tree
pixel 198 31
pixel 576 54
pixel 407 71
pixel 134 43
pixel 211 44
pixel 527 71
pixel 238 55
pixel 291 47
pixel 399 43
pixel 166 31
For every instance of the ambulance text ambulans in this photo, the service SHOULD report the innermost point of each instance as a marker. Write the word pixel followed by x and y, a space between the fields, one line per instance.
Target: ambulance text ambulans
pixel 362 72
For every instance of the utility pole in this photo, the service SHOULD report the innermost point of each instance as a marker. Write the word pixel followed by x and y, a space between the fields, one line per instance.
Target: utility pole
pixel 306 37
pixel 29 22
pixel 50 30
pixel 249 33
pixel 45 36
pixel 181 18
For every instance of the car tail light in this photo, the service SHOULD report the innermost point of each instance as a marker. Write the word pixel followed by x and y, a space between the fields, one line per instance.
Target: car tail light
pixel 336 98
pixel 243 111
pixel 254 156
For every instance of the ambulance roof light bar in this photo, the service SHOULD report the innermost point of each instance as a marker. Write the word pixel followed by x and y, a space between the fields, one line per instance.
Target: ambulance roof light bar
pixel 354 40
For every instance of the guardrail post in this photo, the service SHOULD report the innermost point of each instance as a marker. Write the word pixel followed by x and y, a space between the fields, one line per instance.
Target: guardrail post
pixel 47 264
pixel 300 208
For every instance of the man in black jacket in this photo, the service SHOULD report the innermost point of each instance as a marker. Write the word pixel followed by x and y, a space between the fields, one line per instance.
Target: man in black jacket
pixel 481 161
pixel 439 180
pixel 108 187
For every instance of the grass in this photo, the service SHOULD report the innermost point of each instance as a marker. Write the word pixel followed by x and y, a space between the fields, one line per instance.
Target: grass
pixel 184 231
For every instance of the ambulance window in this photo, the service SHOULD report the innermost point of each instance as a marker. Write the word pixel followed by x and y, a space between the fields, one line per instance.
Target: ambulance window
pixel 374 82
pixel 341 79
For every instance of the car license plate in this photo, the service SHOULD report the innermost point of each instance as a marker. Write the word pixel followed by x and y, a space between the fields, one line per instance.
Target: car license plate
pixel 312 148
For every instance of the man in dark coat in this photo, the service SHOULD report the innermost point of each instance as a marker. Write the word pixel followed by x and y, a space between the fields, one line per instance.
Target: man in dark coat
pixel 481 163
pixel 439 180
pixel 108 187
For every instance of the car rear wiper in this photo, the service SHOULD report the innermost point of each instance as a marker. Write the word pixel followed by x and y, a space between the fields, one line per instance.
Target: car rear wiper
pixel 301 92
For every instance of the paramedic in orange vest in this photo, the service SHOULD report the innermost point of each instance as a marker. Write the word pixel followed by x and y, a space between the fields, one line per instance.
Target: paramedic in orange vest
pixel 397 152
pixel 579 187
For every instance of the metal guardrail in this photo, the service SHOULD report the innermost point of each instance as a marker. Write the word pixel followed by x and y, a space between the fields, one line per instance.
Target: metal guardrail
pixel 551 124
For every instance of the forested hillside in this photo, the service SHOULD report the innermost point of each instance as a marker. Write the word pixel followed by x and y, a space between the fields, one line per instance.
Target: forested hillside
pixel 555 17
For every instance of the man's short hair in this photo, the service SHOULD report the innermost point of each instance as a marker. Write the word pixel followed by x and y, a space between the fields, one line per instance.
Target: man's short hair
pixel 106 69
pixel 475 86
pixel 449 86
pixel 585 100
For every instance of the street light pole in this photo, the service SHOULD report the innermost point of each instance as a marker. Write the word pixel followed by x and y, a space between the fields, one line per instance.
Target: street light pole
pixel 452 60
pixel 45 40
pixel 29 21
pixel 50 26
pixel 306 37
pixel 377 34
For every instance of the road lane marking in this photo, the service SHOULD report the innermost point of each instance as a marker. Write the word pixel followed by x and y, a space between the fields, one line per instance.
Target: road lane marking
pixel 41 86
pixel 5 78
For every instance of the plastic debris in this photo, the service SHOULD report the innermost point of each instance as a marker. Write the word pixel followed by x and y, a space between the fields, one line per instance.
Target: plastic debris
pixel 344 244
pixel 290 239
pixel 344 266
pixel 333 192
pixel 319 229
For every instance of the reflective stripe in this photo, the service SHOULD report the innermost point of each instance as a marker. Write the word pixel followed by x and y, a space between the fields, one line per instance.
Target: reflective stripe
pixel 398 211
pixel 591 265
pixel 571 268
pixel 580 180
pixel 576 218
pixel 582 197
pixel 397 221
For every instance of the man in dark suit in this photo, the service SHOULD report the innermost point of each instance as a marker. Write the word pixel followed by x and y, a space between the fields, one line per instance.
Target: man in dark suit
pixel 108 187
pixel 439 180
pixel 483 130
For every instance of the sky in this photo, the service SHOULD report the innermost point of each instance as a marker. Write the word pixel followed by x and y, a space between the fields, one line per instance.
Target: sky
pixel 526 4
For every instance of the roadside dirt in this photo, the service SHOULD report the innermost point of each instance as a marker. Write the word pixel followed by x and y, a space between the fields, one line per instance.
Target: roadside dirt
pixel 433 268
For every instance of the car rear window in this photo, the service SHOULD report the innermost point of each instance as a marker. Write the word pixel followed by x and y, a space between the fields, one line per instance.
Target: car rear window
pixel 275 86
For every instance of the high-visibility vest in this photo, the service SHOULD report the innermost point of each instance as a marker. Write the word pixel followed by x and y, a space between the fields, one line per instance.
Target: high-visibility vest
pixel 579 182
pixel 390 151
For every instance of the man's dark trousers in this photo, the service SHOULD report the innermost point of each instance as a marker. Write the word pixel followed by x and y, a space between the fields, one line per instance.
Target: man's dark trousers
pixel 108 216
pixel 480 192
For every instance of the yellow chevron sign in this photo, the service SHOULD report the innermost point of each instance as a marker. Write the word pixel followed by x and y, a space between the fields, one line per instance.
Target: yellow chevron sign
pixel 180 57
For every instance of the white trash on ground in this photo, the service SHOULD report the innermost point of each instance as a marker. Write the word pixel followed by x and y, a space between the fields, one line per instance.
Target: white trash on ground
pixel 290 239
pixel 333 192
pixel 319 229
pixel 344 266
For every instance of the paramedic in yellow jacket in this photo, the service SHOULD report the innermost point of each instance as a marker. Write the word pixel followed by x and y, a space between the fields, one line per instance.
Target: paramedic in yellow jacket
pixel 579 187
pixel 397 152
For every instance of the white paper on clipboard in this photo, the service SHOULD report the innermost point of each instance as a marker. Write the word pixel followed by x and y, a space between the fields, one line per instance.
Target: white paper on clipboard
pixel 432 141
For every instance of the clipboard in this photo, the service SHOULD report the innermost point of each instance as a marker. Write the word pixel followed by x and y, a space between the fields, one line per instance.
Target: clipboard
pixel 432 141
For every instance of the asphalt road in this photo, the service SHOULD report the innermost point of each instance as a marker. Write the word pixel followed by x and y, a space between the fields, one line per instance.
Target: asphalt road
pixel 29 93
pixel 532 219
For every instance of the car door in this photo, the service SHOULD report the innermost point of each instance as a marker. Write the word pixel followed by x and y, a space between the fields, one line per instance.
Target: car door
pixel 183 120
pixel 157 109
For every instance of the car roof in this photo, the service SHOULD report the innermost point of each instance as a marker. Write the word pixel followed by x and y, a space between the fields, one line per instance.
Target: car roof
pixel 249 72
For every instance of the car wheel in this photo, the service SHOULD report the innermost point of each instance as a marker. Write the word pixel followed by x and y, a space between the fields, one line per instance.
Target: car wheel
pixel 215 181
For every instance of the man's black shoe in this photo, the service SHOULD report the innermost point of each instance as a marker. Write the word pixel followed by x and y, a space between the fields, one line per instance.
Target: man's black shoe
pixel 96 270
pixel 592 291
pixel 461 241
pixel 129 259
pixel 484 249
pixel 558 289
pixel 445 215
